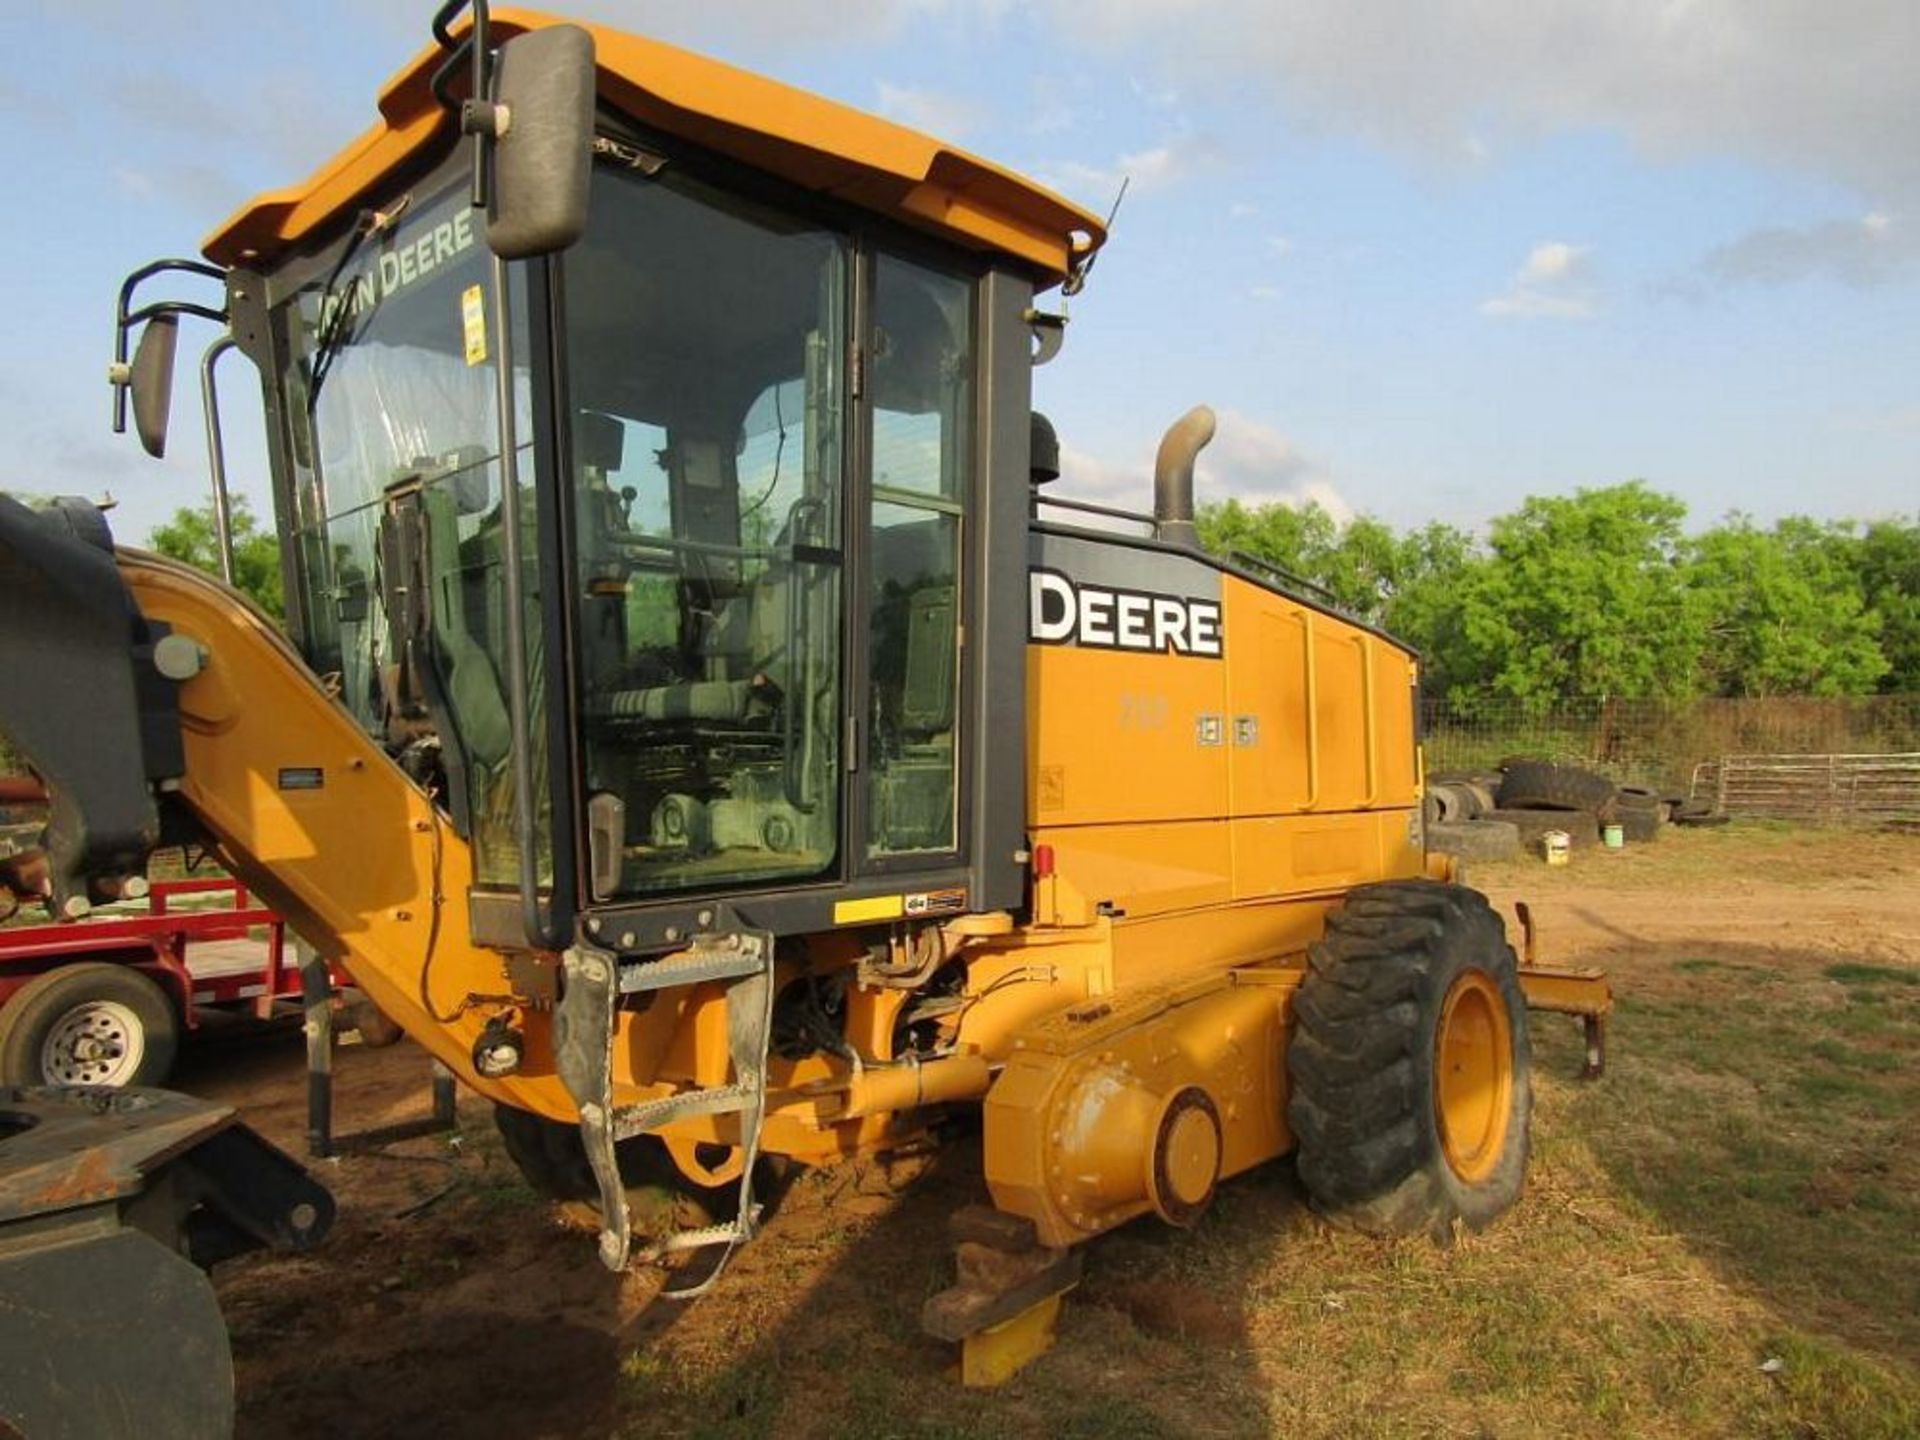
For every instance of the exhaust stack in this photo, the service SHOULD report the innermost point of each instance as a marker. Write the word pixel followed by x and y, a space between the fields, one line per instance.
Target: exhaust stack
pixel 1173 476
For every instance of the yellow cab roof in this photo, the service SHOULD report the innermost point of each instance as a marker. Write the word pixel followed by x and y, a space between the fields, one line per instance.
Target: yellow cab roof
pixel 809 141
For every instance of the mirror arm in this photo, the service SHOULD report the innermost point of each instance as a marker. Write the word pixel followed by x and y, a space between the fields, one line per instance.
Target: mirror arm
pixel 125 319
pixel 476 113
pixel 175 307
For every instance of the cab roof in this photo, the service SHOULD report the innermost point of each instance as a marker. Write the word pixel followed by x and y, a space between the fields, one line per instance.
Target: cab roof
pixel 811 142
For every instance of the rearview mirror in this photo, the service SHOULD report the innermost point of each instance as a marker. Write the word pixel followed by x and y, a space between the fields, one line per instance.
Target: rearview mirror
pixel 151 379
pixel 543 157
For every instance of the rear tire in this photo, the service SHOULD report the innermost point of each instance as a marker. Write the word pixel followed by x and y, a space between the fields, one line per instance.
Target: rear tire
pixel 95 1023
pixel 1410 1063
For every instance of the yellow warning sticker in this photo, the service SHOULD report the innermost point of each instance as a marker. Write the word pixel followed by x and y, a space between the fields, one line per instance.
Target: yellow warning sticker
pixel 876 907
pixel 473 320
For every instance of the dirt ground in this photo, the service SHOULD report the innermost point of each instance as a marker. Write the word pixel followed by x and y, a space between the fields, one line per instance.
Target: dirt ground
pixel 1739 1193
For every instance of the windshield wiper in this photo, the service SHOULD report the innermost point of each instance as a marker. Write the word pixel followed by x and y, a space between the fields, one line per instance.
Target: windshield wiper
pixel 337 317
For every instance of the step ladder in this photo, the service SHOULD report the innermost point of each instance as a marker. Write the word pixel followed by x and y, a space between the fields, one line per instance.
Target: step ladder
pixel 584 1030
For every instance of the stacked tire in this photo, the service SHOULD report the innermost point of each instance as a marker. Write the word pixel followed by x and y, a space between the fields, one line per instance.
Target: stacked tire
pixel 1638 812
pixel 1538 797
pixel 1457 810
pixel 1490 817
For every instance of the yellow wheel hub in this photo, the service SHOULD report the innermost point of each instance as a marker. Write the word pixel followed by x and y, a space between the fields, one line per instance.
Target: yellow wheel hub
pixel 1473 1076
pixel 1192 1156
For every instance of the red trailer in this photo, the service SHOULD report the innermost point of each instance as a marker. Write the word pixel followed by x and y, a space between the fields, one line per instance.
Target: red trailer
pixel 104 1000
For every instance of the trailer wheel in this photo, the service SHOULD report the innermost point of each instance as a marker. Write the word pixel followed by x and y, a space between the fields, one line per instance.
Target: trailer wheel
pixel 89 1024
pixel 1410 1062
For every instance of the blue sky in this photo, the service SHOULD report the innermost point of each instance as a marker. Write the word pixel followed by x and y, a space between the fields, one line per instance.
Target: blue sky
pixel 1426 259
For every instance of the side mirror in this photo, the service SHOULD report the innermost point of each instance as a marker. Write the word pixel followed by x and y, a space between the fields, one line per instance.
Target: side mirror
pixel 151 380
pixel 543 155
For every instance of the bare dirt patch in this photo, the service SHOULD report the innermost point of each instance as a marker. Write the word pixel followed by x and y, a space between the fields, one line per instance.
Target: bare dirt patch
pixel 1741 1188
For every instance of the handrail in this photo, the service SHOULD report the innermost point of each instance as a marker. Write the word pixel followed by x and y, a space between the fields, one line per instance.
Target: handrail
pixel 217 455
pixel 1282 574
pixel 1313 714
pixel 519 726
pixel 1373 719
pixel 1088 507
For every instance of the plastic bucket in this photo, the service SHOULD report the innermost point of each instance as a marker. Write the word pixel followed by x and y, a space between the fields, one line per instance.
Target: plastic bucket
pixel 1614 837
pixel 1556 846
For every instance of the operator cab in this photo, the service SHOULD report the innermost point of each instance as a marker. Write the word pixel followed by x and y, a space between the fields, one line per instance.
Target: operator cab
pixel 772 469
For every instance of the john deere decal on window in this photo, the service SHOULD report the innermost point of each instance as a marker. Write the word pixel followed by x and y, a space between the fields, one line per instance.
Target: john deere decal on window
pixel 1063 611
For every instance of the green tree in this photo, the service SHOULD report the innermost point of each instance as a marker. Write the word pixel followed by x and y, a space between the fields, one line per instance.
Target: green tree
pixel 1408 584
pixel 1787 613
pixel 1886 559
pixel 1582 595
pixel 1296 538
pixel 1437 566
pixel 190 536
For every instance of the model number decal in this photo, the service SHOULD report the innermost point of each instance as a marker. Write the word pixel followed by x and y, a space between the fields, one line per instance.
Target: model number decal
pixel 1062 611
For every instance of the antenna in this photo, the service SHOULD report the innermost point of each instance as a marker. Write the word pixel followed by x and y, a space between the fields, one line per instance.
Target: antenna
pixel 1077 281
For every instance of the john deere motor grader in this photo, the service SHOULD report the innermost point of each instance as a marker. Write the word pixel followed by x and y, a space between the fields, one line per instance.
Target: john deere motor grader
pixel 697 727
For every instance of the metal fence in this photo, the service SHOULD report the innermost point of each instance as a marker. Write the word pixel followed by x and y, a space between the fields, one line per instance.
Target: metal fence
pixel 1814 789
pixel 1660 743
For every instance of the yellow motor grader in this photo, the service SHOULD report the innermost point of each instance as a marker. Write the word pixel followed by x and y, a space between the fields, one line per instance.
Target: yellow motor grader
pixel 697 724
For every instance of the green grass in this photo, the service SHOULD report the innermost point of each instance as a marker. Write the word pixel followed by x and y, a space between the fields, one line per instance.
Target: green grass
pixel 1780 1134
pixel 1743 1188
pixel 1852 974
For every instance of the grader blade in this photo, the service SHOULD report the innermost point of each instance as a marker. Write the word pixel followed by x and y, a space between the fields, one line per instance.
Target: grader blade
pixel 112 1202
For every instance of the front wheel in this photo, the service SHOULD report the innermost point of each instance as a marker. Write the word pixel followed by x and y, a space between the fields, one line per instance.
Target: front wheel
pixel 1410 1063
pixel 91 1024
pixel 552 1159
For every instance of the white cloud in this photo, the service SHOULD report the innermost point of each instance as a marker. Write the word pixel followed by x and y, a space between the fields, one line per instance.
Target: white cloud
pixel 1550 262
pixel 1279 246
pixel 1242 210
pixel 1551 284
pixel 1173 160
pixel 1864 252
pixel 759 26
pixel 1823 87
pixel 1252 461
pixel 1249 460
pixel 1158 97
pixel 1265 292
pixel 947 116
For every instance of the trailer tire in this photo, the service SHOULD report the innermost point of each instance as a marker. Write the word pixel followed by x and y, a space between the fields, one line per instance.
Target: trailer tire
pixel 1411 1091
pixel 95 1023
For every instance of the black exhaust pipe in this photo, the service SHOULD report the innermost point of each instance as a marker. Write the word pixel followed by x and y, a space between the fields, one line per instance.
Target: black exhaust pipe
pixel 1173 476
